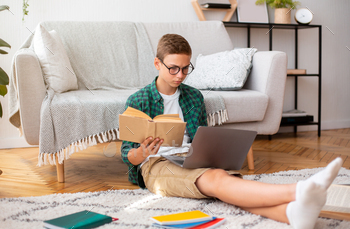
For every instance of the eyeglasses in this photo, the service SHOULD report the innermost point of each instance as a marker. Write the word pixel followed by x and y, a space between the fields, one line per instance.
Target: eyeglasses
pixel 174 70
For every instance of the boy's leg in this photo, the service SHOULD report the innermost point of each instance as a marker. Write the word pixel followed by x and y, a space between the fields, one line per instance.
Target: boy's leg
pixel 244 193
pixel 301 211
pixel 274 212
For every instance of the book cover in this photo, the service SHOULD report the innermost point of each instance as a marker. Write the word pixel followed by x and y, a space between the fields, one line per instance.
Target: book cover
pixel 182 226
pixel 181 218
pixel 216 5
pixel 79 220
pixel 136 126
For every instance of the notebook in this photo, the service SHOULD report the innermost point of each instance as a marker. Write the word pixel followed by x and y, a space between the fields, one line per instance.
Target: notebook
pixel 214 147
pixel 181 218
pixel 79 220
pixel 182 226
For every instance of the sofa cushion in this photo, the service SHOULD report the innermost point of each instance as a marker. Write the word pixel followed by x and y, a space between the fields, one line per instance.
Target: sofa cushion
pixel 57 70
pixel 244 105
pixel 226 70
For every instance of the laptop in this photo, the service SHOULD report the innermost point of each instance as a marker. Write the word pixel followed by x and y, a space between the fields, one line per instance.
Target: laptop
pixel 214 147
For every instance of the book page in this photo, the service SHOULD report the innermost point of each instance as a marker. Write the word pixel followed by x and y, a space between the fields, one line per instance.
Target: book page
pixel 338 199
pixel 167 117
pixel 136 113
pixel 169 120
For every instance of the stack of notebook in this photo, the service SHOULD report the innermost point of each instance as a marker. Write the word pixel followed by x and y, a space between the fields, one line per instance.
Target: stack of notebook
pixel 191 219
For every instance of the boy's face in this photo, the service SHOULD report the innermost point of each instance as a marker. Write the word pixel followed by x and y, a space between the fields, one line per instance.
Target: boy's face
pixel 167 81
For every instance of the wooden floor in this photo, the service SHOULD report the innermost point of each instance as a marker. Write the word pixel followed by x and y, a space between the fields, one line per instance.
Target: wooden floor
pixel 101 168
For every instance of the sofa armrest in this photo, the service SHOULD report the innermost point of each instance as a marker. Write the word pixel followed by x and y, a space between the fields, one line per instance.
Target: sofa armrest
pixel 31 93
pixel 269 68
pixel 268 75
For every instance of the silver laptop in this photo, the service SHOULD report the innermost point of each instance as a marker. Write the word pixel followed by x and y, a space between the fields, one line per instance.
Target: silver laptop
pixel 214 147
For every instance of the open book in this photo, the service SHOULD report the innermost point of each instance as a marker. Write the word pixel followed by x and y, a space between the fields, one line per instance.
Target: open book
pixel 136 126
pixel 338 203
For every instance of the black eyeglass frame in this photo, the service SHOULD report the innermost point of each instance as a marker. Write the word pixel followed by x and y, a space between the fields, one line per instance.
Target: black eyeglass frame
pixel 178 68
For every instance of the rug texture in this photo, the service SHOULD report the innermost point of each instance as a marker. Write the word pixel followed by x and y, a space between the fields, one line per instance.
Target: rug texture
pixel 135 207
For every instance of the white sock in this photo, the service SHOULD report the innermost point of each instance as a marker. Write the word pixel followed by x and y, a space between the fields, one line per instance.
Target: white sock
pixel 323 178
pixel 303 213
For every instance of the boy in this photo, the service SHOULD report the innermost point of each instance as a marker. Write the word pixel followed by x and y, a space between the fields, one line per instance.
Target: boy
pixel 297 204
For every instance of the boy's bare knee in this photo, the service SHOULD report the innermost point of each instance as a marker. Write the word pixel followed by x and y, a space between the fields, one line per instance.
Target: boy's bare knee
pixel 209 182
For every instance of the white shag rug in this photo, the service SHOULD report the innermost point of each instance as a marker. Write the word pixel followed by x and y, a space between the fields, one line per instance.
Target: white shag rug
pixel 135 207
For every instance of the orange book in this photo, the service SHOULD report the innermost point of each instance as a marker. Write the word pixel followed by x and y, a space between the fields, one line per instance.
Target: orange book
pixel 136 126
pixel 296 71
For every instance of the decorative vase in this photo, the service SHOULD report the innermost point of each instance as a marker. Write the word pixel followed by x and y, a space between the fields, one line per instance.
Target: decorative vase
pixel 283 15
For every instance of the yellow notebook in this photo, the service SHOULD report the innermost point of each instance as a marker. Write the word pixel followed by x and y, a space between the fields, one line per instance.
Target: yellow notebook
pixel 181 218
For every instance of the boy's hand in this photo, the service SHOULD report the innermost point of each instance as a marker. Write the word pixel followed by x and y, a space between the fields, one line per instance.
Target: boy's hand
pixel 147 147
pixel 150 146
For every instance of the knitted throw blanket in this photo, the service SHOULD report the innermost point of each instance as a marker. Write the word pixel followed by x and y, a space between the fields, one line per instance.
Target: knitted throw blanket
pixel 69 123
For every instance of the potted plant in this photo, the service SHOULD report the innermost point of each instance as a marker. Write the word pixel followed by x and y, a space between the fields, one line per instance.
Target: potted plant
pixel 25 8
pixel 282 9
pixel 4 79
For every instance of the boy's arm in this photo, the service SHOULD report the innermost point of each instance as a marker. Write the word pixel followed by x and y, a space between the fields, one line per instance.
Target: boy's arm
pixel 132 169
pixel 125 149
pixel 134 153
pixel 127 152
pixel 127 146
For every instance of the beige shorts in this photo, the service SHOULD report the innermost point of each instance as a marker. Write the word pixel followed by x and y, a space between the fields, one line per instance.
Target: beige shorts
pixel 167 179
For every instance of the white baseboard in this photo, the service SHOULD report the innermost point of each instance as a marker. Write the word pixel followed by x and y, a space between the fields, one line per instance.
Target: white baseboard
pixel 330 125
pixel 325 125
pixel 18 142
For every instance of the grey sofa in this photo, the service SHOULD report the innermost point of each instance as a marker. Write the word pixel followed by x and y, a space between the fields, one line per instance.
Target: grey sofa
pixel 258 106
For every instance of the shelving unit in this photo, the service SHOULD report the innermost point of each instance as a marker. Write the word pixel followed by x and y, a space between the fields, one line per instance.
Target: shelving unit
pixel 200 14
pixel 296 28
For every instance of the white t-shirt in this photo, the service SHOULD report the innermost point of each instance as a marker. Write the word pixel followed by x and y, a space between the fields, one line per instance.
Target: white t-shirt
pixel 171 106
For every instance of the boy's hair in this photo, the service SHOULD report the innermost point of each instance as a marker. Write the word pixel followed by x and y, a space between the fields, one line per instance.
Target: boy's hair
pixel 172 44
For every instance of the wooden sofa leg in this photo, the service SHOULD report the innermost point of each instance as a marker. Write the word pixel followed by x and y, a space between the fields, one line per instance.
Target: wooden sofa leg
pixel 60 171
pixel 250 159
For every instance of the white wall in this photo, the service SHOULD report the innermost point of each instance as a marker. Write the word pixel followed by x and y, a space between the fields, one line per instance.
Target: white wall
pixel 335 68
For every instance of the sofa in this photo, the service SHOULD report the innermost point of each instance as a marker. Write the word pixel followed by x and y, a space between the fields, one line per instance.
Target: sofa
pixel 257 106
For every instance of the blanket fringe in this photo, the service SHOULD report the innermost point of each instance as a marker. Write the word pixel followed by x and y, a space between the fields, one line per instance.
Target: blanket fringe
pixel 222 117
pixel 81 144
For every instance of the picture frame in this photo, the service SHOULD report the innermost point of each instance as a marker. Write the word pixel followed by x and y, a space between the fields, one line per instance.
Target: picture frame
pixel 248 11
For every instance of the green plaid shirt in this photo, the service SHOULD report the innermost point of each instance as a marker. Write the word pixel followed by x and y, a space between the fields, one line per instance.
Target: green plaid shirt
pixel 150 101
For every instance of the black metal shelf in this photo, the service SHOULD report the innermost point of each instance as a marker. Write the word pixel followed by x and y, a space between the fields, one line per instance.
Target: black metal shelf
pixel 295 27
pixel 303 75
pixel 300 124
pixel 269 25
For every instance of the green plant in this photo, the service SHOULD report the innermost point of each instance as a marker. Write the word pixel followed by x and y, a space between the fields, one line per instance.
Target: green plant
pixel 25 8
pixel 279 3
pixel 4 79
